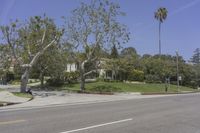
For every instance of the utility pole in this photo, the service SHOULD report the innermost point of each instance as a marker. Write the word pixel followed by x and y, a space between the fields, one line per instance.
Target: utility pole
pixel 177 70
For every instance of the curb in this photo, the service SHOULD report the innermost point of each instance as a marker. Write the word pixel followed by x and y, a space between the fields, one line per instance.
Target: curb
pixel 170 93
pixel 4 103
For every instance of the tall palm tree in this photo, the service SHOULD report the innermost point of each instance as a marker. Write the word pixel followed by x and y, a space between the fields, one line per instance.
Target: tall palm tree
pixel 160 15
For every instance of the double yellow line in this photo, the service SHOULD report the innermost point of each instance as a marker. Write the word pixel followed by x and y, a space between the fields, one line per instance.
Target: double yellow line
pixel 11 122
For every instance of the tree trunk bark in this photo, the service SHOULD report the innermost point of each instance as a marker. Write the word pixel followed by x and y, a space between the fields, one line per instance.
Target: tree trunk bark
pixel 24 80
pixel 82 87
pixel 113 75
pixel 41 80
pixel 82 72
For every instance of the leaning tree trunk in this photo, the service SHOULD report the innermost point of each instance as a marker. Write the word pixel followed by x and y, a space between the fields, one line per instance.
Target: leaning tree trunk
pixel 25 76
pixel 82 80
pixel 24 80
pixel 83 74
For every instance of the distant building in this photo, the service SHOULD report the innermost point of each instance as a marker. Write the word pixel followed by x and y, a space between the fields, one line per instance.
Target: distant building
pixel 100 73
pixel 72 67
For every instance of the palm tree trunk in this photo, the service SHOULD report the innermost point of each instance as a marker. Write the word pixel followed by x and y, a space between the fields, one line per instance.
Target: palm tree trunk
pixel 159 38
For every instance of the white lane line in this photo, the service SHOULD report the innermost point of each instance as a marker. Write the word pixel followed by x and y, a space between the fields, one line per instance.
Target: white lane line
pixel 100 125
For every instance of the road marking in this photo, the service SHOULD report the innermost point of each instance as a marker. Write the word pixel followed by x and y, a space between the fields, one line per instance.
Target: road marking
pixel 100 125
pixel 11 122
pixel 59 105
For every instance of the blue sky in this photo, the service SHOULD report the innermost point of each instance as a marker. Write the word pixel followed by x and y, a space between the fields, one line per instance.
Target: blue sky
pixel 180 32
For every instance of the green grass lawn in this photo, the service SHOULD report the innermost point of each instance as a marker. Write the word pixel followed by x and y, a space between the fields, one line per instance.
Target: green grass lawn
pixel 129 87
pixel 31 81
pixel 24 95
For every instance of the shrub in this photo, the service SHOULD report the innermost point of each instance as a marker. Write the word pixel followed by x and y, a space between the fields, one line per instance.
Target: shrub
pixel 194 84
pixel 136 75
pixel 152 79
pixel 55 82
pixel 71 76
pixel 15 82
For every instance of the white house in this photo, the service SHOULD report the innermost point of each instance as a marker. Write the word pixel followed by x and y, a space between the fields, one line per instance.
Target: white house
pixel 72 67
pixel 101 71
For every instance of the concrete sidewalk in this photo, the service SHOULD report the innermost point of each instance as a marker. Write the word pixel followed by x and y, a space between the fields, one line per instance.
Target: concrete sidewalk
pixel 43 99
pixel 8 97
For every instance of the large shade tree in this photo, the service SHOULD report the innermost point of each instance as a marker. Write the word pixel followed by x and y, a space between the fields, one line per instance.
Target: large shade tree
pixel 52 64
pixel 196 66
pixel 196 57
pixel 92 27
pixel 28 41
pixel 160 15
pixel 5 62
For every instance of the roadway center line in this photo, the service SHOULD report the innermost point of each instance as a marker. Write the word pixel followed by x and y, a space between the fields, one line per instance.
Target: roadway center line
pixel 100 125
pixel 11 122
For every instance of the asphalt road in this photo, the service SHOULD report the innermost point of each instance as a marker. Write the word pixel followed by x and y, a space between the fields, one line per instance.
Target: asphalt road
pixel 174 114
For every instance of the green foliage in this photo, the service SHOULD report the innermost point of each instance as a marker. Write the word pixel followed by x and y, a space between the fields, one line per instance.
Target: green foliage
pixel 5 59
pixel 136 75
pixel 114 52
pixel 9 76
pixel 152 79
pixel 52 63
pixel 129 53
pixel 17 72
pixel 15 82
pixel 196 69
pixel 156 67
pixel 71 77
pixel 196 56
pixel 6 76
pixel 161 14
pixel 195 76
pixel 55 82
